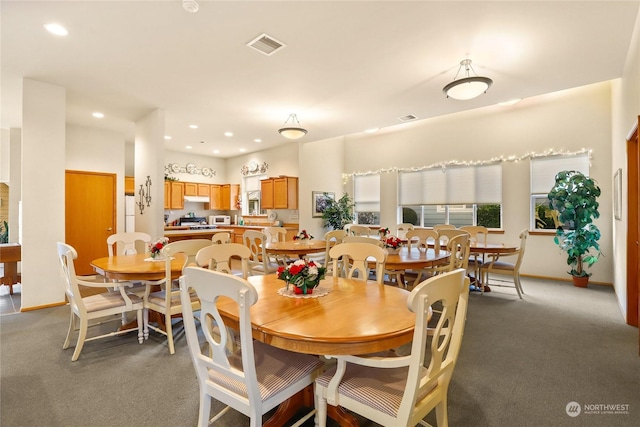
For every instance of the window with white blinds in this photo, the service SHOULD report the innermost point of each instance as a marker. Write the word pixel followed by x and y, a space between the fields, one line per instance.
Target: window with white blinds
pixel 367 193
pixel 544 170
pixel 457 185
pixel 252 183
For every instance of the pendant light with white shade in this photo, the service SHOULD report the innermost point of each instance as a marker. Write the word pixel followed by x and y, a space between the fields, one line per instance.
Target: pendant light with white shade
pixel 294 131
pixel 469 86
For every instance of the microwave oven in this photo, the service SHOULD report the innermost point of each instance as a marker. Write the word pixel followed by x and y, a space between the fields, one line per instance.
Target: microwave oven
pixel 219 220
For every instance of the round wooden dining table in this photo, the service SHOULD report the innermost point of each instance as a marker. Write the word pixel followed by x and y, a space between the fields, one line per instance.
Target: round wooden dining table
pixel 298 248
pixel 136 267
pixel 354 317
pixel 318 325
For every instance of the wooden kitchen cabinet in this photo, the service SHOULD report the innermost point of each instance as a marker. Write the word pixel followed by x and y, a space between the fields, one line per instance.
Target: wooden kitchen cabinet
pixel 279 193
pixel 215 197
pixel 229 196
pixel 266 193
pixel 177 195
pixel 190 189
pixel 204 190
pixel 167 194
pixel 129 186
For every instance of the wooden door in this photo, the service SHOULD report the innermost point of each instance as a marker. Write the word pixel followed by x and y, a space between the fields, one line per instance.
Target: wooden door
pixel 90 215
pixel 633 229
pixel 215 199
pixel 225 197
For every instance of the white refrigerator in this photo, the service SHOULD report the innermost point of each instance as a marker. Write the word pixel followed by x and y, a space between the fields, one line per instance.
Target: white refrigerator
pixel 129 213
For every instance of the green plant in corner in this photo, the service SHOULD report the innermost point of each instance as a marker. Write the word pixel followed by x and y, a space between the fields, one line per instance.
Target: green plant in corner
pixel 4 232
pixel 574 197
pixel 339 212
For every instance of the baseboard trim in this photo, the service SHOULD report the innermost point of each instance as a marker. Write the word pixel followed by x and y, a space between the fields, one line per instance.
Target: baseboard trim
pixel 563 279
pixel 39 307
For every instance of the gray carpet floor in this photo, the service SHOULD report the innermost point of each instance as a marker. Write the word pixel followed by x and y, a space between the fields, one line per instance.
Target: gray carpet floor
pixel 522 362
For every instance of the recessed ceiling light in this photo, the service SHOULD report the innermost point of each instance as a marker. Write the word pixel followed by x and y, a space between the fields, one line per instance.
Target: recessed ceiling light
pixel 193 126
pixel 56 29
pixel 188 147
pixel 372 130
pixel 257 140
pixel 228 134
pixel 98 115
pixel 216 151
pixel 242 150
pixel 511 102
pixel 167 137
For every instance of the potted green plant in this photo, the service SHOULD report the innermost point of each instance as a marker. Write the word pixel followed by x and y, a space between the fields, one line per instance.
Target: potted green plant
pixel 338 213
pixel 574 197
pixel 4 233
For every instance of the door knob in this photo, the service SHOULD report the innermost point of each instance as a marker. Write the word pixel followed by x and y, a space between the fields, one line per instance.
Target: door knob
pixel 109 229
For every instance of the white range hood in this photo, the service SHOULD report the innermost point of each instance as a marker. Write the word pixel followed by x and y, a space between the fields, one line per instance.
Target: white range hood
pixel 196 199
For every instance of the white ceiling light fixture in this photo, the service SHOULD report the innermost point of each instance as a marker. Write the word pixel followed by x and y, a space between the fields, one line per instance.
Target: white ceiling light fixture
pixel 295 131
pixel 56 29
pixel 469 86
pixel 190 6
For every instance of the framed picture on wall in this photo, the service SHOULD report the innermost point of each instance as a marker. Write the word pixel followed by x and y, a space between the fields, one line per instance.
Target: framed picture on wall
pixel 319 202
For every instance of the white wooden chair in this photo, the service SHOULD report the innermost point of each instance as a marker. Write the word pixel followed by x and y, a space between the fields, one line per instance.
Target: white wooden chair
pixel 125 243
pixel 259 263
pixel 496 266
pixel 256 377
pixel 277 234
pixel 167 300
pixel 391 274
pixel 477 234
pixel 219 257
pixel 458 247
pixel 221 238
pixel 439 227
pixel 401 230
pixel 331 238
pixel 423 238
pixel 360 230
pixel 401 390
pixel 98 306
pixel 355 258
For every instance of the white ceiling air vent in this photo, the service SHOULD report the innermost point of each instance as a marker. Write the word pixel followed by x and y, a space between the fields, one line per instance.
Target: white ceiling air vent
pixel 407 118
pixel 266 44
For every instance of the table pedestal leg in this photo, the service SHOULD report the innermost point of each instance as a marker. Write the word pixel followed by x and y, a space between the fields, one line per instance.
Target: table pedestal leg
pixel 305 399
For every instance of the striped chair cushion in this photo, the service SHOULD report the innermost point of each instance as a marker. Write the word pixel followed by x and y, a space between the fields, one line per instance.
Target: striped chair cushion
pixel 275 369
pixel 107 300
pixel 379 388
pixel 158 298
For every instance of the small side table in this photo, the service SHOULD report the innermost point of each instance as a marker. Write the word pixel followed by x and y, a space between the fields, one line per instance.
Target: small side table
pixel 10 254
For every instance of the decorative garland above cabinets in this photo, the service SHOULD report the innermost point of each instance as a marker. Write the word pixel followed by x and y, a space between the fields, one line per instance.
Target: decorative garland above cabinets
pixel 254 168
pixel 190 168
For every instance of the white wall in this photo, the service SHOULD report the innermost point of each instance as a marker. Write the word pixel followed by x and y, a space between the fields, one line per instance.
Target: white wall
pixel 625 112
pixel 96 150
pixel 43 186
pixel 321 167
pixel 569 120
pixel 282 160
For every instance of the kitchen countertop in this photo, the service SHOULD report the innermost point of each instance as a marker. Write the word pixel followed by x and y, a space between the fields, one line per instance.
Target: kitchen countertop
pixel 182 231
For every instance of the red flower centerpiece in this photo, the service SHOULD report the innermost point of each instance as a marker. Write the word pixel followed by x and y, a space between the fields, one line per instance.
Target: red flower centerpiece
pixel 303 235
pixel 383 232
pixel 156 247
pixel 392 244
pixel 303 275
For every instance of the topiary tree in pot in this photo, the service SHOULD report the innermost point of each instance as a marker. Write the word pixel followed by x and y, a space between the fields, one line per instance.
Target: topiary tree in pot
pixel 574 197
pixel 339 212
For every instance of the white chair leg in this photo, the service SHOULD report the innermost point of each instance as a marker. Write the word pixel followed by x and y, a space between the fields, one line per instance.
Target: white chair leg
pixel 82 335
pixel 205 410
pixel 167 324
pixel 442 419
pixel 72 327
pixel 320 419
